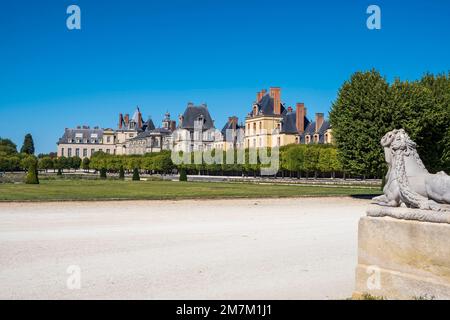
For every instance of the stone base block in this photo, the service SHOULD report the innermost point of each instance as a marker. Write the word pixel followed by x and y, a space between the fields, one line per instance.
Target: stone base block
pixel 403 259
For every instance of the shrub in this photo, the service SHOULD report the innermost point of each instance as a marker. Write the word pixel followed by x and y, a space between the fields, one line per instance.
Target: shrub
pixel 183 175
pixel 121 173
pixel 136 176
pixel 32 175
pixel 103 173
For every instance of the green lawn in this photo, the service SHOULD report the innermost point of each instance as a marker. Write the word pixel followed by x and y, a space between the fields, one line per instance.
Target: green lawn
pixel 53 190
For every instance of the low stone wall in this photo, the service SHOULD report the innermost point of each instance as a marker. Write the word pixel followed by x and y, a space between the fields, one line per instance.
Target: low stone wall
pixel 403 259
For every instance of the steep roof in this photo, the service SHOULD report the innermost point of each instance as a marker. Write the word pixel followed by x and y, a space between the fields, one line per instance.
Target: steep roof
pixel 289 122
pixel 230 125
pixel 193 113
pixel 148 125
pixel 311 130
pixel 266 106
pixel 81 133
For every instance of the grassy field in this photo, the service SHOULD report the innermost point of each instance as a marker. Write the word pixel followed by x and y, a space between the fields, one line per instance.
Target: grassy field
pixel 63 190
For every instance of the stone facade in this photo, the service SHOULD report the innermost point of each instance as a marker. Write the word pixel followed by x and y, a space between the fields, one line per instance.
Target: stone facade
pixel 84 141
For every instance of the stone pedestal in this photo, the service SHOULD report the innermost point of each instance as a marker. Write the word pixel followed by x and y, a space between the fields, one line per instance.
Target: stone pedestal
pixel 403 259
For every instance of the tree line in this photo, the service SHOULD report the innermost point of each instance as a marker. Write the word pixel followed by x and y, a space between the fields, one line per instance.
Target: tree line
pixel 294 161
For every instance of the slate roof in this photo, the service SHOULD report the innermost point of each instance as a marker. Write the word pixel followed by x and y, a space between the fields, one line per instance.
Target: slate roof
pixel 192 113
pixel 311 130
pixel 289 122
pixel 229 126
pixel 83 132
pixel 266 106
pixel 148 125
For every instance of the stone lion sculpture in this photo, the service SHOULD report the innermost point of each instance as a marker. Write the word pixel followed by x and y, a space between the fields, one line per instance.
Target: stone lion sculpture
pixel 407 180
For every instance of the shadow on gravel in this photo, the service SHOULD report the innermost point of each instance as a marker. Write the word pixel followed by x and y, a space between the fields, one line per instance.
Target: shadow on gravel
pixel 364 196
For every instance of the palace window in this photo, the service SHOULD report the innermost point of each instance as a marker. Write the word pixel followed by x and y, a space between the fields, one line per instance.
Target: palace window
pixel 62 152
pixel 84 152
pixel 77 152
pixel 69 152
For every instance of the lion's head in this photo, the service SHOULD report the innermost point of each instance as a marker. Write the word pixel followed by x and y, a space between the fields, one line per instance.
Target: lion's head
pixel 398 139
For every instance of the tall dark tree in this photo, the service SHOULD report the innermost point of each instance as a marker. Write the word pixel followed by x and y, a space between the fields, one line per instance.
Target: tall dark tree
pixel 28 144
pixel 136 176
pixel 360 117
pixel 31 163
pixel 367 107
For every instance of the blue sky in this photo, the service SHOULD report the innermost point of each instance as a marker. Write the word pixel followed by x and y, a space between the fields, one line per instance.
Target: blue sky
pixel 162 54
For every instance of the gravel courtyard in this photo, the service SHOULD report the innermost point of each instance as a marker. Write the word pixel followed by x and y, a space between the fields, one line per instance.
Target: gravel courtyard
pixel 303 248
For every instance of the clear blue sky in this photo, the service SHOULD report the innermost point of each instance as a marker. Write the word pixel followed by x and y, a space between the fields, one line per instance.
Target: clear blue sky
pixel 162 54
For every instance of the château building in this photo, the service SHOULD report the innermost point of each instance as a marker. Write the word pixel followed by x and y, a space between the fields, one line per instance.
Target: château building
pixel 270 123
pixel 195 131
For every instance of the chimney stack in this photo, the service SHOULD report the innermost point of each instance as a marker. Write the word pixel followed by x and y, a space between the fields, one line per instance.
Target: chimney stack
pixel 120 120
pixel 300 117
pixel 233 121
pixel 139 120
pixel 289 109
pixel 127 119
pixel 275 93
pixel 172 125
pixel 260 95
pixel 319 121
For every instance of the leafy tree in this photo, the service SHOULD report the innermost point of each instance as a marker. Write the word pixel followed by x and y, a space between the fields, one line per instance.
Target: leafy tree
pixel 86 163
pixel 76 163
pixel 136 176
pixel 367 107
pixel 103 173
pixel 28 144
pixel 311 162
pixel 45 163
pixel 7 147
pixel 360 117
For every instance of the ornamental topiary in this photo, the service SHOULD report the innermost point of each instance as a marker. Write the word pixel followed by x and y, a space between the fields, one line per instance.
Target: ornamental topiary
pixel 136 176
pixel 183 175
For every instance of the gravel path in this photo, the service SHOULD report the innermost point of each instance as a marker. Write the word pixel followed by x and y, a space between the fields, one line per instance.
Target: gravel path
pixel 209 249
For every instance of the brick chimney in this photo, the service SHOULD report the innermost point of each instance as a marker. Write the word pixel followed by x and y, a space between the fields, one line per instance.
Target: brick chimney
pixel 233 121
pixel 120 120
pixel 260 95
pixel 139 120
pixel 172 125
pixel 300 117
pixel 127 120
pixel 275 93
pixel 319 121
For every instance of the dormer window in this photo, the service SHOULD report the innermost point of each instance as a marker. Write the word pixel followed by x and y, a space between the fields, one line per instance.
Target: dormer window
pixel 255 109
